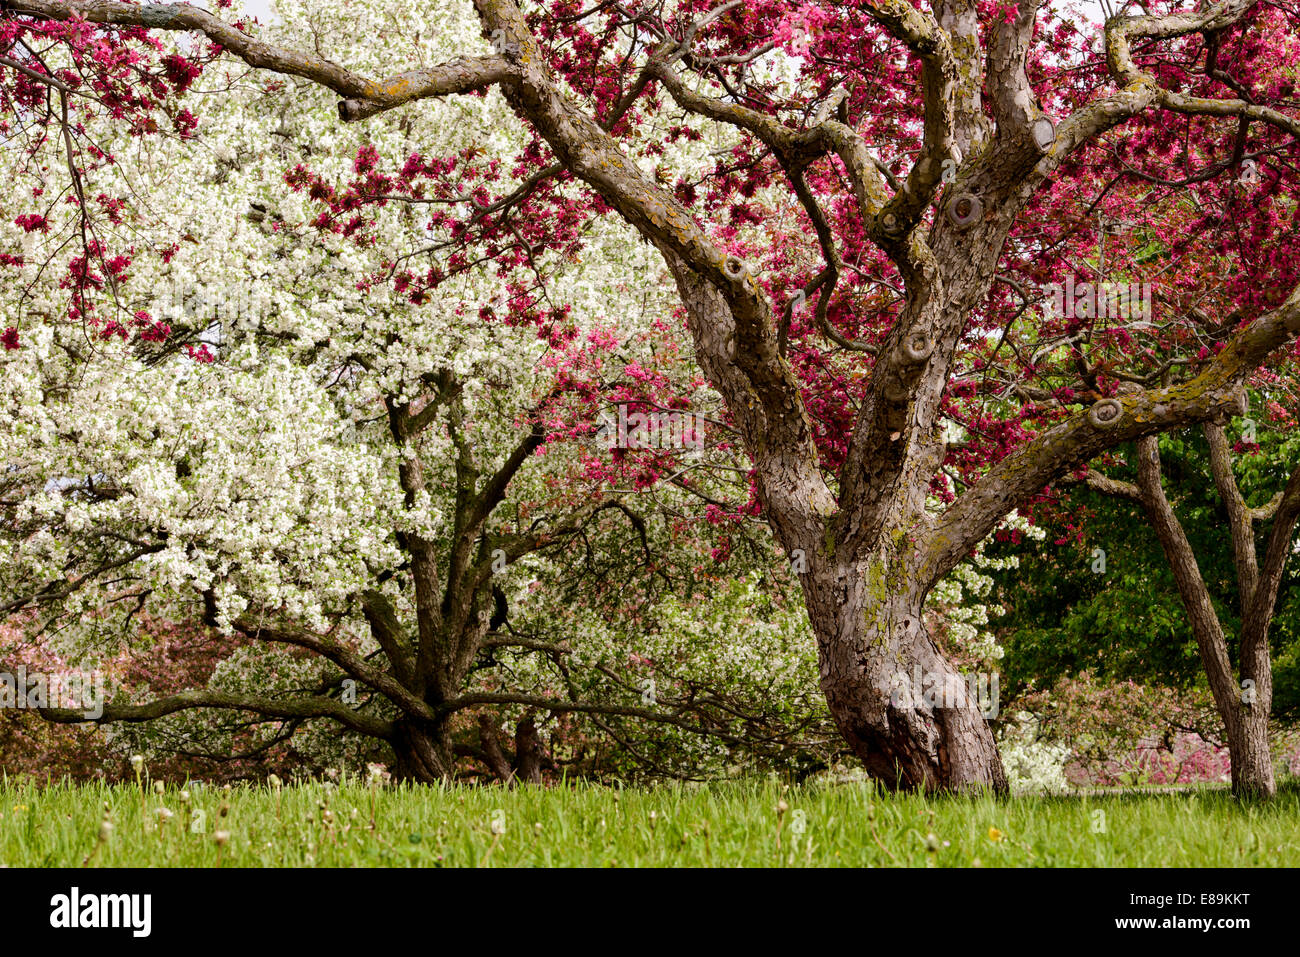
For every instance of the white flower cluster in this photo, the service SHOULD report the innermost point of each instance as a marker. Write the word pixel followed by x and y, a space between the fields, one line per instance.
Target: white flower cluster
pixel 960 600
pixel 1032 765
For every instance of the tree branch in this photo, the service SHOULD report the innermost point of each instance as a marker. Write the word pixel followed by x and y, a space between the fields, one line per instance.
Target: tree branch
pixel 1214 392
pixel 1240 523
pixel 353 664
pixel 362 97
pixel 297 707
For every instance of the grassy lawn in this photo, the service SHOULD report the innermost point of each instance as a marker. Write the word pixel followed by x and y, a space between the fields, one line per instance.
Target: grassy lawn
pixel 583 825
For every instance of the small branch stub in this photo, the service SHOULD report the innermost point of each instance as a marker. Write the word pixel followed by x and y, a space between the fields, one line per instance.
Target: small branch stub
pixel 352 110
pixel 917 347
pixel 892 227
pixel 1229 404
pixel 964 210
pixel 735 268
pixel 1044 133
pixel 1106 413
pixel 1239 404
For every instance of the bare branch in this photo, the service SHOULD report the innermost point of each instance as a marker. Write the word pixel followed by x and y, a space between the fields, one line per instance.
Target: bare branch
pixel 296 707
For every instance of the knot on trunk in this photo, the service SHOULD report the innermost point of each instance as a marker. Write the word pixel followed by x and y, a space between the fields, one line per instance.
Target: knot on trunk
pixel 735 268
pixel 916 348
pixel 964 210
pixel 892 225
pixel 1106 414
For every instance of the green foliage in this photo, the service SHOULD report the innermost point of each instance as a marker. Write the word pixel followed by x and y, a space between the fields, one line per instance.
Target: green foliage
pixel 1128 622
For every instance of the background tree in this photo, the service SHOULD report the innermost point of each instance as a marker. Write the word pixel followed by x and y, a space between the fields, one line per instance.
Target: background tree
pixel 352 486
pixel 1125 622
pixel 1243 569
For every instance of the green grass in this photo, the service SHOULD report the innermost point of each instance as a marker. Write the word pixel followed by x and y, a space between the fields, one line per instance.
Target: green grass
pixel 583 825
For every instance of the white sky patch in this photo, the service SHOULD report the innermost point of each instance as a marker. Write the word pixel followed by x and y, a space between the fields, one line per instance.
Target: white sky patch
pixel 260 9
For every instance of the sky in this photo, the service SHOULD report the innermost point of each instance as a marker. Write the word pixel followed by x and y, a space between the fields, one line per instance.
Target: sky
pixel 259 8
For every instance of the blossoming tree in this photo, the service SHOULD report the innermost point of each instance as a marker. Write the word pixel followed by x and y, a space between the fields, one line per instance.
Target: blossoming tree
pixel 223 428
pixel 890 162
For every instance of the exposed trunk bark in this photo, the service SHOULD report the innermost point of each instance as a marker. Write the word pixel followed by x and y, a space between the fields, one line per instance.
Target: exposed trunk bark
pixel 490 745
pixel 905 710
pixel 423 752
pixel 528 752
pixel 1250 706
pixel 1252 758
pixel 1248 745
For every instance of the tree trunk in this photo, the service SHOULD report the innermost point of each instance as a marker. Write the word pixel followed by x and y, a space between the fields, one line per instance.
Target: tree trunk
pixel 1252 758
pixel 905 710
pixel 528 752
pixel 1246 715
pixel 1244 709
pixel 865 611
pixel 423 752
pixel 490 746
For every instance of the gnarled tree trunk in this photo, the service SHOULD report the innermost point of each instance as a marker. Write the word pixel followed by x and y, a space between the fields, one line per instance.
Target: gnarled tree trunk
pixel 423 751
pixel 873 648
